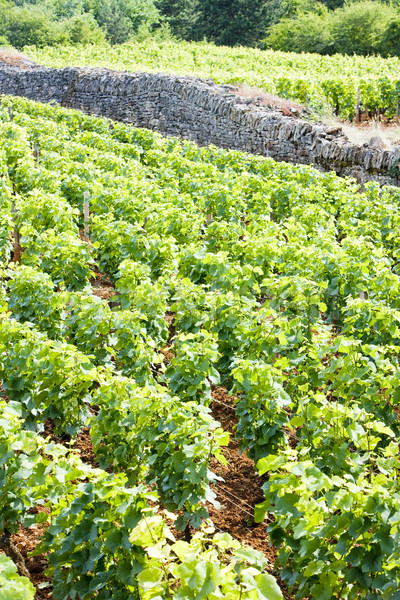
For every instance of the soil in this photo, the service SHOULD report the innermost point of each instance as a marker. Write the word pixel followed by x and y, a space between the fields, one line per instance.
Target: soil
pixel 49 427
pixel 84 447
pixel 82 444
pixel 241 489
pixel 26 541
pixel 102 287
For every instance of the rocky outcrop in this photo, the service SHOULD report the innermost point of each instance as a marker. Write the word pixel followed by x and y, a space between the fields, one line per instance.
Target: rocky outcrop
pixel 204 112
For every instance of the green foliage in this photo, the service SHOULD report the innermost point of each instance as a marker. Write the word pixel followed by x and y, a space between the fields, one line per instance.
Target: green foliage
pixel 133 243
pixel 278 281
pixel 83 536
pixel 182 16
pixel 31 298
pixel 236 23
pixel 51 379
pixel 135 352
pixel 120 19
pixel 83 29
pixel 190 305
pixel 149 299
pixel 390 40
pixel 20 462
pixel 117 339
pixel 33 25
pixel 199 569
pixel 142 557
pixel 347 524
pixel 103 537
pixel 309 32
pixel 44 471
pixel 12 586
pixel 46 23
pixel 261 408
pixel 363 27
pixel 371 321
pixel 89 325
pixel 359 28
pixel 6 229
pixel 47 211
pixel 154 436
pixel 15 146
pixel 64 256
pixel 191 371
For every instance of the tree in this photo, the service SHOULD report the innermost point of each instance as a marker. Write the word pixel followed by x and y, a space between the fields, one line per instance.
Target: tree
pixel 333 4
pixel 360 26
pixel 67 8
pixel 308 33
pixel 31 26
pixel 237 22
pixel 182 16
pixel 120 19
pixel 83 29
pixel 390 42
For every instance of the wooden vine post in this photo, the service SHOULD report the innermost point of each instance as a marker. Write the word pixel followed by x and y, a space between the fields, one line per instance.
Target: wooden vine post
pixel 12 551
pixel 17 242
pixel 36 153
pixel 358 116
pixel 86 216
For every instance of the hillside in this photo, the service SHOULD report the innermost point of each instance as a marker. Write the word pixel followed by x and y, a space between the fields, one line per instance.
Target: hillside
pixel 146 281
pixel 199 322
pixel 199 110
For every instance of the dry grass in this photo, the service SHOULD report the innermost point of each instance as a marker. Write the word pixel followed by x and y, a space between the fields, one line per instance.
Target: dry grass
pixel 12 57
pixel 361 133
pixel 288 107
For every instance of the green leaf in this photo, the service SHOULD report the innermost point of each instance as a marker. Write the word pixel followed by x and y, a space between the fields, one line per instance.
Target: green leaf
pixel 267 587
pixel 150 577
pixel 180 548
pixel 114 540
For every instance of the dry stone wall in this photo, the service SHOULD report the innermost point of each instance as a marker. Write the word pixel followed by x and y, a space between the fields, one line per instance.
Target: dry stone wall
pixel 206 113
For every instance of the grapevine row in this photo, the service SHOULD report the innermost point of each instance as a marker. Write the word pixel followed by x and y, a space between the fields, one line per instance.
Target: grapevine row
pixel 282 283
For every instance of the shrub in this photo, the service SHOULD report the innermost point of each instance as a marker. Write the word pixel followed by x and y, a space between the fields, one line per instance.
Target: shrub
pixel 390 42
pixel 359 27
pixel 83 29
pixel 309 32
pixel 362 27
pixel 32 26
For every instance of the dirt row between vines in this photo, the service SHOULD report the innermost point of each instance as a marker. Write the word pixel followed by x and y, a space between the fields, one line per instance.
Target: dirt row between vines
pixel 237 494
pixel 241 489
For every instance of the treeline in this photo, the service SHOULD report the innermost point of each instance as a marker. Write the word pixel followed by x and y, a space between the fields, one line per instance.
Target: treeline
pixel 330 26
pixel 47 22
pixel 363 27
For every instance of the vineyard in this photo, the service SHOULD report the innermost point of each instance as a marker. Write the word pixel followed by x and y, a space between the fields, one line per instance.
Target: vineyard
pixel 140 273
pixel 312 79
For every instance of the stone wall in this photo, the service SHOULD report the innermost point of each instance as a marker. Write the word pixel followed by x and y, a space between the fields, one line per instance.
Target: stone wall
pixel 206 113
